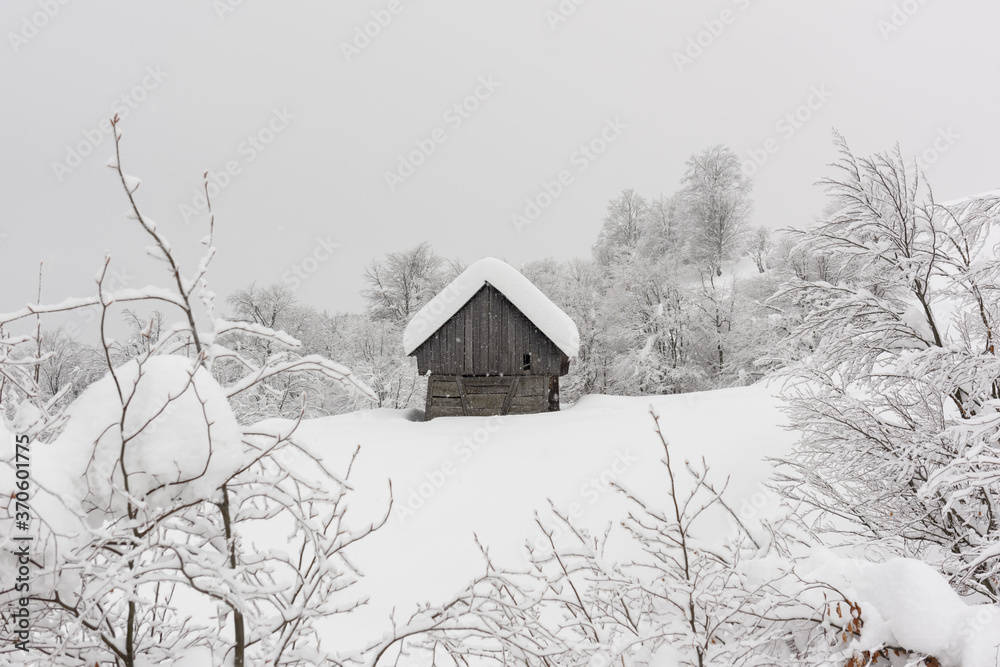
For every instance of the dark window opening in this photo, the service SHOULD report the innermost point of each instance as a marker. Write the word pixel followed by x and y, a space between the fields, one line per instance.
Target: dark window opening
pixel 526 362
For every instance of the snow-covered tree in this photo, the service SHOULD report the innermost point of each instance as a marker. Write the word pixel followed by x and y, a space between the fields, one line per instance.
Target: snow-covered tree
pixel 399 284
pixel 626 218
pixel 716 198
pixel 69 366
pixel 664 234
pixel 147 489
pixel 759 245
pixel 897 371
pixel 373 348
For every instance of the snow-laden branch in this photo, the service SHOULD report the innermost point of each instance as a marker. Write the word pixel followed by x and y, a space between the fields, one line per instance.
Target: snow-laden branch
pixel 149 293
pixel 311 364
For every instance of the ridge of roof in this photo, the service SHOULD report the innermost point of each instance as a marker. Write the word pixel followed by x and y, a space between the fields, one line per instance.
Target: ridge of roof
pixel 521 292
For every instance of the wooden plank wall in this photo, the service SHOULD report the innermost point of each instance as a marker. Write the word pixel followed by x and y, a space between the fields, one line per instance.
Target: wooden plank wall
pixel 458 395
pixel 489 336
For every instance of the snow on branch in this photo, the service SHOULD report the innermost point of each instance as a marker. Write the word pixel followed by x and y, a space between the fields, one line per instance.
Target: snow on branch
pixel 146 481
pixel 149 293
pixel 311 363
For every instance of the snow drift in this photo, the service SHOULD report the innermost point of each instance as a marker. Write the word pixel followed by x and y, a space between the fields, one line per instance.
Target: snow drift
pixel 165 425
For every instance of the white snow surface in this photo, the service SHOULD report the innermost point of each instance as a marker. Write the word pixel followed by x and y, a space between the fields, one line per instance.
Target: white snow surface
pixel 905 602
pixel 183 439
pixel 455 479
pixel 459 477
pixel 530 300
pixel 183 442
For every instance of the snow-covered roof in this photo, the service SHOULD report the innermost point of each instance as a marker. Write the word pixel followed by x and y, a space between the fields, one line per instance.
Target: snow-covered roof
pixel 527 298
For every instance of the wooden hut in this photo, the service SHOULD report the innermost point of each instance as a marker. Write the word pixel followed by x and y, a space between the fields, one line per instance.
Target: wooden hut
pixel 491 344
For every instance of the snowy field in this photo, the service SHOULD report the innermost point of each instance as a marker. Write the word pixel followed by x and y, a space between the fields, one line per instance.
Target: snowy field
pixel 459 477
pixel 457 480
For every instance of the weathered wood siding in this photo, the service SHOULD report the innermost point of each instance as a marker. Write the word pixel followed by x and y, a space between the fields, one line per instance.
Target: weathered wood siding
pixel 471 396
pixel 489 336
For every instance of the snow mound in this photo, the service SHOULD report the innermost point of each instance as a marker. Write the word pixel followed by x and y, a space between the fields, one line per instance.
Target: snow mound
pixel 527 298
pixel 180 439
pixel 905 602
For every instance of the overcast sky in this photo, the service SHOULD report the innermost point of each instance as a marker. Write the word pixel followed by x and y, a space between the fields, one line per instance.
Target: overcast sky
pixel 310 117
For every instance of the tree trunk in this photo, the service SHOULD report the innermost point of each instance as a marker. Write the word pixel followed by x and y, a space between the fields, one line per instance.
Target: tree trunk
pixel 239 638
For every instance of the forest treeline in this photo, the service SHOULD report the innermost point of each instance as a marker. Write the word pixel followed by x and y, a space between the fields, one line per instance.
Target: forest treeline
pixel 673 299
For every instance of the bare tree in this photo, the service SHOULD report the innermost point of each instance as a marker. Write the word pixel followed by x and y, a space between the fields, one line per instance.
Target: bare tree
pixel 623 226
pixel 268 306
pixel 663 235
pixel 154 479
pixel 760 247
pixel 398 284
pixel 717 203
pixel 69 365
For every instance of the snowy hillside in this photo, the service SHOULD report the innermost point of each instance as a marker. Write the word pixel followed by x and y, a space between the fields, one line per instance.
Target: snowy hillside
pixel 454 478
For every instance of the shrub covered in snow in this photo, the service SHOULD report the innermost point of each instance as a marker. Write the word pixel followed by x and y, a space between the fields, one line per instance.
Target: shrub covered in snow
pixel 148 493
pixel 155 432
